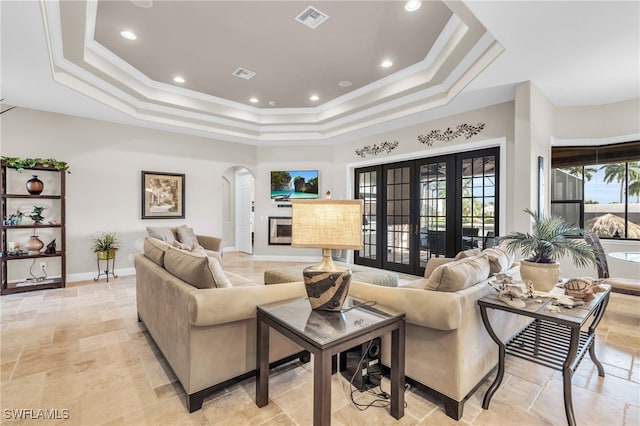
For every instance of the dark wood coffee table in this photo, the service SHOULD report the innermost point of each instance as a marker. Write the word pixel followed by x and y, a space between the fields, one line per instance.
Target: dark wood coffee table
pixel 325 334
pixel 553 339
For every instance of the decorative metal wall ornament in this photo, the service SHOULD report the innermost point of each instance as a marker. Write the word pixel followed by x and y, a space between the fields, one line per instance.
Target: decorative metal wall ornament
pixel 376 149
pixel 448 135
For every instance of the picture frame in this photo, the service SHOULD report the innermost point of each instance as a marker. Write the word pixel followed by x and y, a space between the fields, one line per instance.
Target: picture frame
pixel 541 201
pixel 163 195
pixel 279 231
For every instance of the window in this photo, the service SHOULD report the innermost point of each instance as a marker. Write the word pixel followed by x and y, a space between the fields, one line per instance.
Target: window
pixel 598 188
pixel 428 207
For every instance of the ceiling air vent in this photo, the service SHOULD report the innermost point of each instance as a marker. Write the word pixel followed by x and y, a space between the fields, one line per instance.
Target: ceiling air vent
pixel 243 73
pixel 312 17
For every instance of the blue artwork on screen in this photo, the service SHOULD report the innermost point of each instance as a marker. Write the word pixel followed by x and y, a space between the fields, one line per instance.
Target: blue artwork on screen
pixel 290 184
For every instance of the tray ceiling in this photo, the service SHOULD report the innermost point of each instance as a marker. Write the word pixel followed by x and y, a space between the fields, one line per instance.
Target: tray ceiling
pixel 436 51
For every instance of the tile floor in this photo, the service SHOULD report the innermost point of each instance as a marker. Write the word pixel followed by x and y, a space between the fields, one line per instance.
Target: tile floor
pixel 81 354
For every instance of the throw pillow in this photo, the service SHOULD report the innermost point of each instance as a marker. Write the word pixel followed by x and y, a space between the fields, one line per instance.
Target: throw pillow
pixel 218 274
pixel 187 237
pixel 177 244
pixel 190 267
pixel 161 233
pixel 500 259
pixel 155 250
pixel 458 275
pixel 467 253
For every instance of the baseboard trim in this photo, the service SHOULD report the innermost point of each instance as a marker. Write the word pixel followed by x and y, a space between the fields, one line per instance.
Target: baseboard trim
pixel 272 258
pixel 86 276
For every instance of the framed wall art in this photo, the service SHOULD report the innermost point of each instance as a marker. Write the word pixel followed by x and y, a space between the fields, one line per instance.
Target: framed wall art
pixel 541 200
pixel 162 195
pixel 279 231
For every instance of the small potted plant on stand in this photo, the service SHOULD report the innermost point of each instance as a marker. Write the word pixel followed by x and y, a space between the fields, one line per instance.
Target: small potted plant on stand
pixel 106 245
pixel 550 239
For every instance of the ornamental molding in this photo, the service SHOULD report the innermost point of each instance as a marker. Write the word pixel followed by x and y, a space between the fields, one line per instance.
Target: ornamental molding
pixel 376 149
pixel 448 135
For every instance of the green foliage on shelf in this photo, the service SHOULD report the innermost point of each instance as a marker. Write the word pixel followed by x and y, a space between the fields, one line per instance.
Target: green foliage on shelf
pixel 21 163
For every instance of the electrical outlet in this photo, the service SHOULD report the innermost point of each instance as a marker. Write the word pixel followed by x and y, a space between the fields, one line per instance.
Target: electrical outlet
pixel 43 265
pixel 130 257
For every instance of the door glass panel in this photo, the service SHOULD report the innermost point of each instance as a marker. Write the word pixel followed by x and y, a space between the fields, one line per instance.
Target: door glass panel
pixel 478 202
pixel 433 211
pixel 398 215
pixel 367 191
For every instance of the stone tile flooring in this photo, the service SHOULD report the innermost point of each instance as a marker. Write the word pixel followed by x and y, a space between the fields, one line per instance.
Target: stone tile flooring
pixel 81 354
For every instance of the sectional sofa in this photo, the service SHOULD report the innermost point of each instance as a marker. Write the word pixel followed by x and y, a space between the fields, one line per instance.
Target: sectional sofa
pixel 203 319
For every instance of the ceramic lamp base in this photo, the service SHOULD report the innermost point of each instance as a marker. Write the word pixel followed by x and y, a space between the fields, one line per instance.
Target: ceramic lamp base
pixel 327 290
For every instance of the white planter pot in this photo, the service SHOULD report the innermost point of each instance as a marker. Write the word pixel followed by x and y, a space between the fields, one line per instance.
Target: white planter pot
pixel 544 276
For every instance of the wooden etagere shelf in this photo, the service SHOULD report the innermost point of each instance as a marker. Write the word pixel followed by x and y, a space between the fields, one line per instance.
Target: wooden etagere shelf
pixel 5 231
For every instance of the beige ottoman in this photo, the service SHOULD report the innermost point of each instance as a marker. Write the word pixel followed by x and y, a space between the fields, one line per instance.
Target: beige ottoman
pixel 364 274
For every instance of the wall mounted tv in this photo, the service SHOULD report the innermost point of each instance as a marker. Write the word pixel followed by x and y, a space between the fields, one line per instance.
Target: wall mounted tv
pixel 290 184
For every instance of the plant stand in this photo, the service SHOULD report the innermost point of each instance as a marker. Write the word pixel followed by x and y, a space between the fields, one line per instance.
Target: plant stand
pixel 106 272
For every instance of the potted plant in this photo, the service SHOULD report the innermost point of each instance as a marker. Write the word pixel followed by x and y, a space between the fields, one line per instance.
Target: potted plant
pixel 550 239
pixel 106 245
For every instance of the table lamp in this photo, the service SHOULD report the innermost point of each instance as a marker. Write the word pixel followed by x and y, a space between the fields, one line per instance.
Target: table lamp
pixel 327 224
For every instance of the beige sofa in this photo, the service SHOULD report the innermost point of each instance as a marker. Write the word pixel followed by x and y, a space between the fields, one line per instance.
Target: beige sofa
pixel 448 351
pixel 203 319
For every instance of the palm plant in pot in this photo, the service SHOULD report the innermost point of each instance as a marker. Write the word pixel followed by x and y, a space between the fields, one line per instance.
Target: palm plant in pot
pixel 550 239
pixel 106 245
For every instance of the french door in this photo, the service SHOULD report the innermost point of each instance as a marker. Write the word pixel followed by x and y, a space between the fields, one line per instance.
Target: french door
pixel 431 207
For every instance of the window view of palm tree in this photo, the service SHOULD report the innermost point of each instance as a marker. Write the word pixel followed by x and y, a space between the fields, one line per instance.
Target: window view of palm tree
pixel 601 198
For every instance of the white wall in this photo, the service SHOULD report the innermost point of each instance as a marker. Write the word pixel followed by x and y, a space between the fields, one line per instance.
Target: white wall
pixel 533 129
pixel 598 122
pixel 103 190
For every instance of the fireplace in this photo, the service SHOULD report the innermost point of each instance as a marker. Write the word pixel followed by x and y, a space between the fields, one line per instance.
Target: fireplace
pixel 279 231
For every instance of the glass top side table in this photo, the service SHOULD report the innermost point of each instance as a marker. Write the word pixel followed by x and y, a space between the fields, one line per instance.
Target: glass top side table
pixel 325 334
pixel 552 335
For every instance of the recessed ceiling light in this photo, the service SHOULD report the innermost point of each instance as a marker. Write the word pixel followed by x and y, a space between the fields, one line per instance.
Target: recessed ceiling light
pixel 345 83
pixel 272 103
pixel 254 100
pixel 386 63
pixel 178 79
pixel 412 6
pixel 129 35
pixel 314 98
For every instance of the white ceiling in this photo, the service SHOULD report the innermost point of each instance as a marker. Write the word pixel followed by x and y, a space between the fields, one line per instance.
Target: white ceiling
pixel 576 52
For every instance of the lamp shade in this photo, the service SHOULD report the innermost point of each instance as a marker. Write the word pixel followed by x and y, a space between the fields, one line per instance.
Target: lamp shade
pixel 328 224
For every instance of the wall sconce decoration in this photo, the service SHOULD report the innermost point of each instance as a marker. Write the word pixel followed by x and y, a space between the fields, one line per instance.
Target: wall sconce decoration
pixel 376 149
pixel 448 135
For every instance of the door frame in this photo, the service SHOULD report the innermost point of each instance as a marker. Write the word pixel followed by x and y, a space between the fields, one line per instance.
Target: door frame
pixel 243 208
pixel 501 193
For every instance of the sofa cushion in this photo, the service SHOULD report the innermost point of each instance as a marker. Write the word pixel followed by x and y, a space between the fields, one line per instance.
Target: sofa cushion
pixel 187 237
pixel 500 259
pixel 155 250
pixel 433 263
pixel 162 233
pixel 218 274
pixel 459 274
pixel 193 268
pixel 467 253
